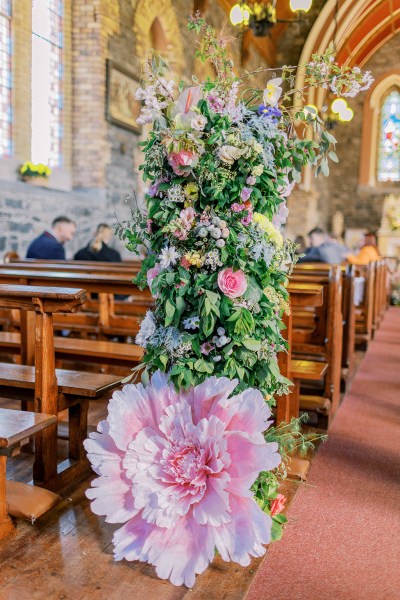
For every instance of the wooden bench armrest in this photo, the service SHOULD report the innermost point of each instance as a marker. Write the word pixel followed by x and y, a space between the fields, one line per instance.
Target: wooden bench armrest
pixel 17 425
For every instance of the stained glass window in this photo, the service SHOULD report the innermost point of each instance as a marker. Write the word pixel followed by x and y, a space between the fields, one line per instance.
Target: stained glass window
pixel 389 144
pixel 47 81
pixel 5 78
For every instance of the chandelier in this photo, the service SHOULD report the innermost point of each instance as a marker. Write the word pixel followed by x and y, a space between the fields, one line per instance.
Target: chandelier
pixel 260 17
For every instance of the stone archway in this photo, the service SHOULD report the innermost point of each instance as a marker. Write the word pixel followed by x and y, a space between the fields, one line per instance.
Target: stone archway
pixel 156 25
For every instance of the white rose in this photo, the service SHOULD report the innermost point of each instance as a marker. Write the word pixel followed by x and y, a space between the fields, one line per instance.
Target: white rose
pixel 198 122
pixel 229 154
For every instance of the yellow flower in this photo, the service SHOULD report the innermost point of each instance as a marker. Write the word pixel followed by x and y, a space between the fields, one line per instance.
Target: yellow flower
pixel 195 259
pixel 265 225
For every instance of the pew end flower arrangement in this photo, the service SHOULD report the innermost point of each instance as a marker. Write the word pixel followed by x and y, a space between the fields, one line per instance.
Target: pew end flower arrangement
pixel 187 459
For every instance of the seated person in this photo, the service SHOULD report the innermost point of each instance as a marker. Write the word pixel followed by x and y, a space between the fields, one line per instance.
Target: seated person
pixel 50 244
pixel 322 249
pixel 98 248
pixel 368 251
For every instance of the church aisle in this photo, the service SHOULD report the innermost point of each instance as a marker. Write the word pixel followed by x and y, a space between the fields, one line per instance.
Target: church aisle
pixel 342 541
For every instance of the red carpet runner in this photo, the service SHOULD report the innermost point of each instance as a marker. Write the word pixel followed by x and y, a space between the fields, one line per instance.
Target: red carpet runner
pixel 343 539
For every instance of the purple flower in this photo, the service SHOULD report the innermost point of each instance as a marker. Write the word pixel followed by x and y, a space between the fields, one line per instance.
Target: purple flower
pixel 153 189
pixel 237 207
pixel 271 112
pixel 247 220
pixel 246 193
pixel 206 348
pixel 251 180
pixel 216 104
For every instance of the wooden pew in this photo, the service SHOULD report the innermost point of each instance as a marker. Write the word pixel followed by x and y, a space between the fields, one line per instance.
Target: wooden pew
pixel 319 273
pixel 323 341
pixel 105 284
pixel 15 427
pixel 49 390
pixel 300 295
pixel 365 311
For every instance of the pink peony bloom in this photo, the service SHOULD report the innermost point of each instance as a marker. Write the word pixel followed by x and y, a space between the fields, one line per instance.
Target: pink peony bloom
pixel 232 283
pixel 176 468
pixel 278 505
pixel 152 274
pixel 182 162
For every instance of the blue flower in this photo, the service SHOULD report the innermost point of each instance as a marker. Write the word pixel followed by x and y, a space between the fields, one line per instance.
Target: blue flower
pixel 271 112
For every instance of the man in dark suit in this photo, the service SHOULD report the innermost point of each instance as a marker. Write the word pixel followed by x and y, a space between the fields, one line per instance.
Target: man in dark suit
pixel 50 244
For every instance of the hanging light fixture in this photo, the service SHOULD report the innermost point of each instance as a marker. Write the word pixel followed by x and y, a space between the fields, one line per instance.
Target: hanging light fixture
pixel 300 5
pixel 260 17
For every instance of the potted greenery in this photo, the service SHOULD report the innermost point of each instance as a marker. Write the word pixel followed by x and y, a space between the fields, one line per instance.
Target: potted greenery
pixel 35 174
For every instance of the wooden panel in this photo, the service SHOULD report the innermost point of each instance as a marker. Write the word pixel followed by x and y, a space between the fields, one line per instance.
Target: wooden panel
pixel 71 382
pixel 16 425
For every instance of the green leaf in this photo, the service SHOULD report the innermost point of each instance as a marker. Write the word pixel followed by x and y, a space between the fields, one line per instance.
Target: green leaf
pixel 276 531
pixel 169 313
pixel 280 519
pixel 208 324
pixel 203 367
pixel 333 156
pixel 252 344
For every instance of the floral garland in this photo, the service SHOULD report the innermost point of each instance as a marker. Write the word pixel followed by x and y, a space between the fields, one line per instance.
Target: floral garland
pixel 182 460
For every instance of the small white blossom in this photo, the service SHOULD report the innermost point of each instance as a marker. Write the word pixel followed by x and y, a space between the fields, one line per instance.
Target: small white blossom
pixel 168 257
pixel 198 122
pixel 147 328
pixel 272 92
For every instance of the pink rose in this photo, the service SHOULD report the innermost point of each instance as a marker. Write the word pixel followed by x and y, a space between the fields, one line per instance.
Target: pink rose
pixel 278 505
pixel 152 274
pixel 232 283
pixel 182 162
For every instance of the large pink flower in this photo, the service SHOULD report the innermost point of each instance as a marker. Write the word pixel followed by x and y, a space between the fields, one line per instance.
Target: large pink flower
pixel 232 283
pixel 176 468
pixel 182 162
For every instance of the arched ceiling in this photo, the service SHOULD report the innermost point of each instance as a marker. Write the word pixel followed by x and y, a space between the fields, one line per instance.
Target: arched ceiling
pixel 358 29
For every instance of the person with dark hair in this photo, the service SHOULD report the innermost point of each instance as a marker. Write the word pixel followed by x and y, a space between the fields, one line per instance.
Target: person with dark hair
pixel 322 249
pixel 98 248
pixel 300 245
pixel 50 244
pixel 368 251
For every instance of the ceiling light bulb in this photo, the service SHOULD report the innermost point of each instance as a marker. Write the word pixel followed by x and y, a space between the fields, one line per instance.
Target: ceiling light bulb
pixel 303 5
pixel 236 15
pixel 339 105
pixel 346 115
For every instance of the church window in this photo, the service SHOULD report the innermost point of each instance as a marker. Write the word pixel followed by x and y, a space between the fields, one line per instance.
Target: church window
pixel 47 81
pixel 389 142
pixel 5 78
